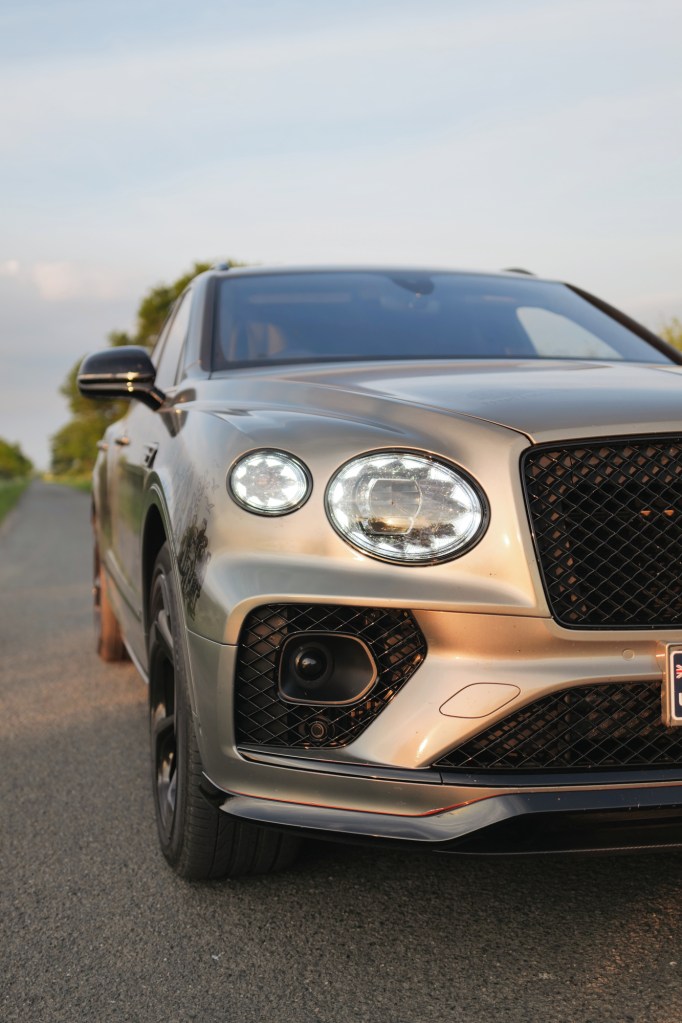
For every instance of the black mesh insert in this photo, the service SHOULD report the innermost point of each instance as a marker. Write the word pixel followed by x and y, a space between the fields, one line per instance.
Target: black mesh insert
pixel 262 719
pixel 617 725
pixel 607 522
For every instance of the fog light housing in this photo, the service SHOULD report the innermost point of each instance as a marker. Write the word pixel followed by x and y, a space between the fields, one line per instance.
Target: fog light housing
pixel 325 669
pixel 311 664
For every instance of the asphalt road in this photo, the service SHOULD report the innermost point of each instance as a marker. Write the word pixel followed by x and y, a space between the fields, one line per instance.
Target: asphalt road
pixel 95 927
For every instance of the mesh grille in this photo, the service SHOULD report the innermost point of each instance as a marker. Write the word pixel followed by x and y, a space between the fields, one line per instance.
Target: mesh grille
pixel 607 519
pixel 262 719
pixel 608 726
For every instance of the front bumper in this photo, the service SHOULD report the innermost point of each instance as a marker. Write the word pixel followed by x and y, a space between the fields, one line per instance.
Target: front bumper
pixel 383 787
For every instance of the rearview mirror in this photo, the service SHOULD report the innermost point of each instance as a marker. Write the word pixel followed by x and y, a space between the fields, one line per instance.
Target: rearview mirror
pixel 124 372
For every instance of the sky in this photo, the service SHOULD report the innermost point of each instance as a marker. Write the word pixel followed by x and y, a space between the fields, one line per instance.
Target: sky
pixel 138 137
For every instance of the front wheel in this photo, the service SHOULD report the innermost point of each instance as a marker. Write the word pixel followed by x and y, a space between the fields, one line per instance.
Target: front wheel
pixel 199 841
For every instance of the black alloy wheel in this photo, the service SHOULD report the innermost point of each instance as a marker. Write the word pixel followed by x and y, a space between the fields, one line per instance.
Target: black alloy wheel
pixel 162 706
pixel 198 840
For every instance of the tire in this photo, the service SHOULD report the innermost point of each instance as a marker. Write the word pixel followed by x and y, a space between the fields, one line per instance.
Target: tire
pixel 108 639
pixel 199 841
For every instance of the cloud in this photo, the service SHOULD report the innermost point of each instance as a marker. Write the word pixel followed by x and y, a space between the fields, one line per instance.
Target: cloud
pixel 62 281
pixel 40 340
pixel 257 79
pixel 533 134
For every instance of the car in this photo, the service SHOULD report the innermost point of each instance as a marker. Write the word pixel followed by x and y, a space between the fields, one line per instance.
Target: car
pixel 397 551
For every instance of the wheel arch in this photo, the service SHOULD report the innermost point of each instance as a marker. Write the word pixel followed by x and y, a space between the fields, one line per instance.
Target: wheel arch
pixel 154 536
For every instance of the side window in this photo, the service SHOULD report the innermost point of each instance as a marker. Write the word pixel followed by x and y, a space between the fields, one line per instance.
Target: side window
pixel 174 344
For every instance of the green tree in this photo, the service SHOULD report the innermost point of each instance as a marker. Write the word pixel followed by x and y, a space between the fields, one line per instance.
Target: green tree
pixel 13 462
pixel 74 447
pixel 672 332
pixel 158 302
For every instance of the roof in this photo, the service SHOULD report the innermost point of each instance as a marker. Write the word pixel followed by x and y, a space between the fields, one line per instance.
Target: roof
pixel 250 271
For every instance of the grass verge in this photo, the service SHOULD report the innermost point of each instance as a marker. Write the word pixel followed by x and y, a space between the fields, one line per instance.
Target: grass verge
pixel 10 492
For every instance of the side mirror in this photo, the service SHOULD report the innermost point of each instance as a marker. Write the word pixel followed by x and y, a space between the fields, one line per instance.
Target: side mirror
pixel 124 372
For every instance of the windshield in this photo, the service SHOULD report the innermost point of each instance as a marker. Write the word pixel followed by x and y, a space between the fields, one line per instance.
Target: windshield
pixel 328 316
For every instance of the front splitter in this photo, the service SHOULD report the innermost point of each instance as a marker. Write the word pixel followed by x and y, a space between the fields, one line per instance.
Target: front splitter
pixel 573 820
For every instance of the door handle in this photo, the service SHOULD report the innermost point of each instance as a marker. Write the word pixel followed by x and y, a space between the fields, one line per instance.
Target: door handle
pixel 122 441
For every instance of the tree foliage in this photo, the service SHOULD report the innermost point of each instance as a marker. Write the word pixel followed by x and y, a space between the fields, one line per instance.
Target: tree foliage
pixel 74 447
pixel 672 333
pixel 13 462
pixel 157 303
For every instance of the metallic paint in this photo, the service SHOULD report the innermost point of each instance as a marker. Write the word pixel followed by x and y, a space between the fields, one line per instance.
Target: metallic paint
pixel 484 615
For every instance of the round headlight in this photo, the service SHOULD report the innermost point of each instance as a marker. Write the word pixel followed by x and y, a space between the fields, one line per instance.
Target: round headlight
pixel 404 507
pixel 269 482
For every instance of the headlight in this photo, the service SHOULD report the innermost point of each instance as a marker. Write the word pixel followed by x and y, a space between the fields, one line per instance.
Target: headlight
pixel 269 482
pixel 404 507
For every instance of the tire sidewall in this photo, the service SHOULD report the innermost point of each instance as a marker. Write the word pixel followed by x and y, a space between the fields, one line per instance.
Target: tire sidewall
pixel 172 844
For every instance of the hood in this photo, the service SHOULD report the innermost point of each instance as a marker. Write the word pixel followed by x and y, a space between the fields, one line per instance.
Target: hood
pixel 545 400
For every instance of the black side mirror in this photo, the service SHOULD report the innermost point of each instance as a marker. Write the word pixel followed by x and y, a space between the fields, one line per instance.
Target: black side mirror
pixel 124 372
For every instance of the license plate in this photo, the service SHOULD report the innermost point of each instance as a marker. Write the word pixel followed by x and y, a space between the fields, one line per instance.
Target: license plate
pixel 672 686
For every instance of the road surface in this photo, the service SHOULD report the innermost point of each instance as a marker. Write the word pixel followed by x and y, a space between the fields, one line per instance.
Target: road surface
pixel 95 927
